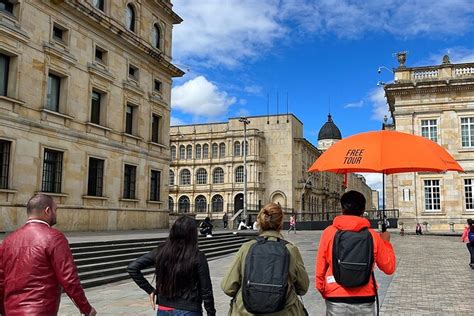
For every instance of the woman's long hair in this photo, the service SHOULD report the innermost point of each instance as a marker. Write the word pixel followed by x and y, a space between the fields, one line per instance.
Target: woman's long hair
pixel 177 258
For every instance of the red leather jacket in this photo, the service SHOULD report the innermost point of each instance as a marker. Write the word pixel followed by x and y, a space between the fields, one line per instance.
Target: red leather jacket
pixel 35 263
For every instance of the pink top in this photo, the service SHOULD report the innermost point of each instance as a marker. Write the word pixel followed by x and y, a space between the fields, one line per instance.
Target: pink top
pixel 292 221
pixel 164 308
pixel 464 236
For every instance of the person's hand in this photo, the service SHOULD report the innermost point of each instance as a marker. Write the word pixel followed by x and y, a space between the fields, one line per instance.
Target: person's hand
pixel 385 236
pixel 93 312
pixel 153 300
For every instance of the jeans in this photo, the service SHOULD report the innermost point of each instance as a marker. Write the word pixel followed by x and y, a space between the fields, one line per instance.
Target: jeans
pixel 178 312
pixel 344 309
pixel 471 251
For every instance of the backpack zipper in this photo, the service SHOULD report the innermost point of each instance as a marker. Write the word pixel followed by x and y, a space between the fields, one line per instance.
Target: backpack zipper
pixel 254 283
pixel 353 263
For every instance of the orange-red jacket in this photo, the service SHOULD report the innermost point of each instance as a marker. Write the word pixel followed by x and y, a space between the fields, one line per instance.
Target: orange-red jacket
pixel 384 257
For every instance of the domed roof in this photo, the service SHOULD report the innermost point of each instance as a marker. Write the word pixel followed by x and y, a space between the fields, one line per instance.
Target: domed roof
pixel 329 130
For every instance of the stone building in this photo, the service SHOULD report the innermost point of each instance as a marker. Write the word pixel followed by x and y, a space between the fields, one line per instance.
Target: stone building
pixel 436 102
pixel 85 110
pixel 207 172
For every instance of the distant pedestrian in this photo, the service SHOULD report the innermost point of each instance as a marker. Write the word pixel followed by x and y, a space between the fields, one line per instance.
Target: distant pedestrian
pixel 418 229
pixel 36 264
pixel 468 238
pixel 225 220
pixel 205 228
pixel 183 281
pixel 263 284
pixel 292 224
pixel 242 225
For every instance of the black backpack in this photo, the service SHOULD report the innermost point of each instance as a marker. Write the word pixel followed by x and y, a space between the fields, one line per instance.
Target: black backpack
pixel 265 283
pixel 352 257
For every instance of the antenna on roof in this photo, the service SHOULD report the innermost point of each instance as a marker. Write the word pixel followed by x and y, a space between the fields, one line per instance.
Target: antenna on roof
pixel 268 108
pixel 278 119
pixel 287 107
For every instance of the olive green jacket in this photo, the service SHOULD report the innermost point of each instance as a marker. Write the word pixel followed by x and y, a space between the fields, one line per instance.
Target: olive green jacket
pixel 297 278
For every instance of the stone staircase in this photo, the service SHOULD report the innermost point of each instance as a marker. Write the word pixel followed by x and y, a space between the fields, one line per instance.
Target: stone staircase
pixel 104 262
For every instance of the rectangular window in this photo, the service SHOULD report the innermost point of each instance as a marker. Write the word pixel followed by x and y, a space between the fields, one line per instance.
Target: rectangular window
pixel 129 181
pixel 155 185
pixel 59 33
pixel 54 86
pixel 95 107
pixel 157 85
pixel 4 70
pixel 468 184
pixel 4 163
pixel 432 195
pixel 467 131
pixel 429 129
pixel 52 171
pixel 100 55
pixel 96 177
pixel 129 120
pixel 155 128
pixel 6 6
pixel 132 72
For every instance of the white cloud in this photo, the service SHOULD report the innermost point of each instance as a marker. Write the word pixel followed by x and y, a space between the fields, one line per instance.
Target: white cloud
pixel 242 101
pixel 176 121
pixel 228 32
pixel 457 55
pixel 379 105
pixel 354 104
pixel 200 97
pixel 253 89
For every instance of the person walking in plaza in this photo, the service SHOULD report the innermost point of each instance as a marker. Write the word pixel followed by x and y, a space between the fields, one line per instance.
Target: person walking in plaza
pixel 418 229
pixel 468 238
pixel 35 263
pixel 183 281
pixel 225 220
pixel 249 283
pixel 350 242
pixel 292 224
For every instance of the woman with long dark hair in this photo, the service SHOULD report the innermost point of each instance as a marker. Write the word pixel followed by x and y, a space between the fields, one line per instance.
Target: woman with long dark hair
pixel 182 273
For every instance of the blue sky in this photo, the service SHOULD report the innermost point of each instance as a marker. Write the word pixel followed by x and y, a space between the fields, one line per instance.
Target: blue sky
pixel 324 54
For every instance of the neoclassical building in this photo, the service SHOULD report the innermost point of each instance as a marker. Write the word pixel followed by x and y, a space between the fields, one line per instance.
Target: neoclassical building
pixel 436 102
pixel 85 110
pixel 206 176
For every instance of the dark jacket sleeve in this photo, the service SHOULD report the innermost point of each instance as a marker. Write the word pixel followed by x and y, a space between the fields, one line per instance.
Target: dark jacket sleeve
pixel 205 285
pixel 66 273
pixel 135 267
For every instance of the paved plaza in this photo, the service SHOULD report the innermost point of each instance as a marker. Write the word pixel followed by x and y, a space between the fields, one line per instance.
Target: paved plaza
pixel 432 278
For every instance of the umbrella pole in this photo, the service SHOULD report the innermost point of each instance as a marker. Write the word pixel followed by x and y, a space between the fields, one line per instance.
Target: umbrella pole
pixel 384 226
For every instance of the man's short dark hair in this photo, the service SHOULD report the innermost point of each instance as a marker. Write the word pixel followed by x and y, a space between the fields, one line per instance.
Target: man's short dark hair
pixel 353 203
pixel 39 202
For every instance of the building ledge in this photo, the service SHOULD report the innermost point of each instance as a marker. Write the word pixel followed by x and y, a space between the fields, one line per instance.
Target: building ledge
pixel 10 104
pixel 128 200
pixel 91 197
pixel 155 202
pixel 53 194
pixel 8 191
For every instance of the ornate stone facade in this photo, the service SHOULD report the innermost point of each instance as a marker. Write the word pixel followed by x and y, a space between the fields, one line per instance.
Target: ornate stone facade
pixel 206 170
pixel 436 102
pixel 84 111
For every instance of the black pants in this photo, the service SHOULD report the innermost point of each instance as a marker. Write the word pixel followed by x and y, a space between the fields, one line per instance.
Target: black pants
pixel 471 251
pixel 206 231
pixel 225 224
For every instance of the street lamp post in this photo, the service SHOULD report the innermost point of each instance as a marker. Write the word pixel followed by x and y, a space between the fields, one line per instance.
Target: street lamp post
pixel 246 122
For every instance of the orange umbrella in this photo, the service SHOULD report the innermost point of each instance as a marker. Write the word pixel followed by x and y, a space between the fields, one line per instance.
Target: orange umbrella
pixel 385 152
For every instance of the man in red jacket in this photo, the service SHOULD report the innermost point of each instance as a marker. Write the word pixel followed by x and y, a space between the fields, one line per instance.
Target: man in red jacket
pixel 35 263
pixel 342 300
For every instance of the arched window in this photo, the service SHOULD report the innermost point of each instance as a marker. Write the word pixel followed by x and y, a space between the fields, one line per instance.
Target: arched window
pixel 185 177
pixel 205 151
pixel 130 18
pixel 170 204
pixel 182 152
pixel 237 149
pixel 173 152
pixel 99 4
pixel 217 203
pixel 171 179
pixel 215 150
pixel 183 204
pixel 246 152
pixel 218 175
pixel 201 204
pixel 198 152
pixel 222 150
pixel 201 176
pixel 239 174
pixel 156 36
pixel 189 152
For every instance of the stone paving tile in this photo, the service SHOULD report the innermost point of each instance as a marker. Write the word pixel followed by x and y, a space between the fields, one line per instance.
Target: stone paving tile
pixel 432 278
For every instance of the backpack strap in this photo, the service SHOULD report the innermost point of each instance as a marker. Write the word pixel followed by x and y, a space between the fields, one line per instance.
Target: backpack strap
pixel 376 292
